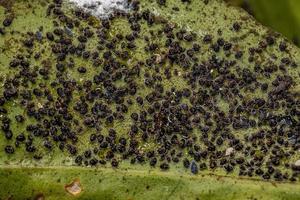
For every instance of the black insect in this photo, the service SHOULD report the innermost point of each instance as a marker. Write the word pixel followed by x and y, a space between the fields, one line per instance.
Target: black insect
pixel 164 166
pixel 194 167
pixel 9 149
pixel 7 21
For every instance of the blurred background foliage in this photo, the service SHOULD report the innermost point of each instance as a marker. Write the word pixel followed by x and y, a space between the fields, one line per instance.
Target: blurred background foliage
pixel 281 15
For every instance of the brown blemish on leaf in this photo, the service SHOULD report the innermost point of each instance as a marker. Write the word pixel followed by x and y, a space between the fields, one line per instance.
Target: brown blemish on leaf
pixel 274 184
pixel 39 196
pixel 9 198
pixel 94 21
pixel 47 63
pixel 74 188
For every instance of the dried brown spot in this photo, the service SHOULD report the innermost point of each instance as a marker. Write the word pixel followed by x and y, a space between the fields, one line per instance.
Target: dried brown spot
pixel 74 188
pixel 274 184
pixel 39 196
pixel 47 63
pixel 94 21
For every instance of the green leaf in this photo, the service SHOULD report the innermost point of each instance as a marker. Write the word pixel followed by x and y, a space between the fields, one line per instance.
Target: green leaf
pixel 23 177
pixel 132 184
pixel 282 15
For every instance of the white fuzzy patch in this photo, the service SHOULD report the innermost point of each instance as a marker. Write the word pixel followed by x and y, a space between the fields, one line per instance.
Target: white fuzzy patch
pixel 102 8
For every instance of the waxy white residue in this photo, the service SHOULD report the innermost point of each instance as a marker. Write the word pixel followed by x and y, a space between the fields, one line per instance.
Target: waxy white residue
pixel 102 8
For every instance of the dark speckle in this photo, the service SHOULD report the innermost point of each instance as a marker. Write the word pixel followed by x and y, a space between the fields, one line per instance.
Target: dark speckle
pixel 194 167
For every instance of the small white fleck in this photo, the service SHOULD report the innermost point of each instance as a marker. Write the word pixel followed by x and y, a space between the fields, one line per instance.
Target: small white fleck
pixel 39 105
pixel 229 151
pixel 158 58
pixel 169 120
pixel 155 12
pixel 74 188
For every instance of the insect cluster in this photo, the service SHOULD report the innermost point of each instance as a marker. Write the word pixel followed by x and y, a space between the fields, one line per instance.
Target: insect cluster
pixel 153 94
